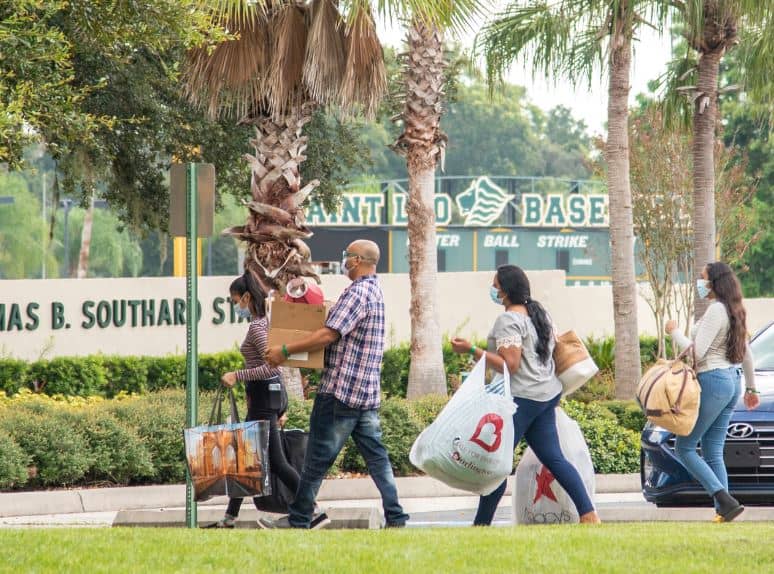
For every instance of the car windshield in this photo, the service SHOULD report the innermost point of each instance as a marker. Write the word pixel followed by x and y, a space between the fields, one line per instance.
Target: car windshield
pixel 763 350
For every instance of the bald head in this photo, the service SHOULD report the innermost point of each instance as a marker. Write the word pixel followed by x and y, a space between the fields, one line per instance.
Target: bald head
pixel 368 250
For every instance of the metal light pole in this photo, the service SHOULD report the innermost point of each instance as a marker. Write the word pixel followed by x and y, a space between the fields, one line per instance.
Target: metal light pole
pixel 67 205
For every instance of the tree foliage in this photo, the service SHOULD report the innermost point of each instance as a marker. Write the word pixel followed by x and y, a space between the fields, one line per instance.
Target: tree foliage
pixel 22 232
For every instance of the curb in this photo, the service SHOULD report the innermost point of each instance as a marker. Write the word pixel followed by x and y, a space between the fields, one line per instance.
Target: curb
pixel 173 495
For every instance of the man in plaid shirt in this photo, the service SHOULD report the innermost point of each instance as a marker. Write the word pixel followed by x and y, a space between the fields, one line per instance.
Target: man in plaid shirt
pixel 348 397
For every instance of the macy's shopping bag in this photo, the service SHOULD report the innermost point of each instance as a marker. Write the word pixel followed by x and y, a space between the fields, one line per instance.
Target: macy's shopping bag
pixel 470 445
pixel 537 496
pixel 228 459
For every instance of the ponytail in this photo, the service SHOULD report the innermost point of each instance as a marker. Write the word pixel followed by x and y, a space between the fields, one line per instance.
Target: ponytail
pixel 544 328
pixel 514 283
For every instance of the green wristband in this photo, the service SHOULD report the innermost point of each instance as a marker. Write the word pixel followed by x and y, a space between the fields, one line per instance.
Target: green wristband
pixel 285 351
pixel 752 391
pixel 472 350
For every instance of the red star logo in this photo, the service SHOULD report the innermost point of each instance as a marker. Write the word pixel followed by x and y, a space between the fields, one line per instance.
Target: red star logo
pixel 544 480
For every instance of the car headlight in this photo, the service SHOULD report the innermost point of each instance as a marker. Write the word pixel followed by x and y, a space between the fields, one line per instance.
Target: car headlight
pixel 655 434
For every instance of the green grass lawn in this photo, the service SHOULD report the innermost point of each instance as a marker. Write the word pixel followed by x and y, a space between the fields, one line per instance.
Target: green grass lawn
pixel 629 548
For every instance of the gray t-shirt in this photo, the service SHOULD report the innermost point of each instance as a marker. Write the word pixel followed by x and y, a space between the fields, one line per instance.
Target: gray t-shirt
pixel 533 380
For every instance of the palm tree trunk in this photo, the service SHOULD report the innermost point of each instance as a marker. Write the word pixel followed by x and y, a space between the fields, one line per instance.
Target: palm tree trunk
pixel 704 119
pixel 83 258
pixel 275 251
pixel 627 346
pixel 421 143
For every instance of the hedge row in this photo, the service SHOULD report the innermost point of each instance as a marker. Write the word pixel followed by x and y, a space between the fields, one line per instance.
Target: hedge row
pixel 108 376
pixel 45 442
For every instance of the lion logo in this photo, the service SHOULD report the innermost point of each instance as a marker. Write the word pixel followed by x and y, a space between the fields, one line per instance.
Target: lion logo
pixel 483 202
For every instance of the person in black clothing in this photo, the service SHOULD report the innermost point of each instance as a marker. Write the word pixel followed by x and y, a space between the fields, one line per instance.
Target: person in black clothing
pixel 266 395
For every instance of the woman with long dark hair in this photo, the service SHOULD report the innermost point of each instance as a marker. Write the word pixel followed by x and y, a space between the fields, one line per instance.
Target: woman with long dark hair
pixel 523 338
pixel 266 395
pixel 719 342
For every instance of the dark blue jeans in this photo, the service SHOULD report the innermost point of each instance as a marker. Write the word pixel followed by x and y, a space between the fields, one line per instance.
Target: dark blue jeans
pixel 331 424
pixel 536 422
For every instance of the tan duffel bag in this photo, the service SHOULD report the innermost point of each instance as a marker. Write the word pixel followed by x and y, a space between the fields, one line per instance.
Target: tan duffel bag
pixel 573 363
pixel 670 394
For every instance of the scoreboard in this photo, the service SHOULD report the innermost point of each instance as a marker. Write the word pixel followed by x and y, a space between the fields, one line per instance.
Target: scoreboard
pixel 483 222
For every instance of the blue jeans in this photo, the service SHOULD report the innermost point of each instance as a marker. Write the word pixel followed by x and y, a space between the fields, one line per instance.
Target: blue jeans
pixel 536 422
pixel 720 390
pixel 331 424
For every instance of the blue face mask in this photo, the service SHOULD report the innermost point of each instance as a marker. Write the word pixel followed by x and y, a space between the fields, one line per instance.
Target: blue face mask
pixel 493 294
pixel 244 313
pixel 702 289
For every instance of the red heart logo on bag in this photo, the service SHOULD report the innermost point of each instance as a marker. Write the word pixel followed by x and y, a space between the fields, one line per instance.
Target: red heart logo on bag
pixel 488 433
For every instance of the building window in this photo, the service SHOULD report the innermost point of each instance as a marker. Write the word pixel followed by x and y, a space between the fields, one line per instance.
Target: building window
pixel 501 257
pixel 441 260
pixel 563 260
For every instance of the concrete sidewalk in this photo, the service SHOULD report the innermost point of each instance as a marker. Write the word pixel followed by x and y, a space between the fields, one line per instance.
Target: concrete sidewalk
pixel 98 500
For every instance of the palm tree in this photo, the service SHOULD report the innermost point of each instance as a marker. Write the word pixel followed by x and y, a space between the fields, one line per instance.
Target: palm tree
pixel 712 29
pixel 282 61
pixel 422 143
pixel 286 58
pixel 576 39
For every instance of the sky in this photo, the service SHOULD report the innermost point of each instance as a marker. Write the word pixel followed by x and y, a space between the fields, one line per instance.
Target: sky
pixel 651 54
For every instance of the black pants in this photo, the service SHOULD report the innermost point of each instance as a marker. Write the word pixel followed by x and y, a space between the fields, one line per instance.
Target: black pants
pixel 265 403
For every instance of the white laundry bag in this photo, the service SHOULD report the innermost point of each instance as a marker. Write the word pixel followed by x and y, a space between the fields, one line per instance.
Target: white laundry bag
pixel 537 496
pixel 470 445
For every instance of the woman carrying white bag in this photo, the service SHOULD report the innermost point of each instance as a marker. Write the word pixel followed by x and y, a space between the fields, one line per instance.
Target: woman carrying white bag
pixel 522 341
pixel 469 445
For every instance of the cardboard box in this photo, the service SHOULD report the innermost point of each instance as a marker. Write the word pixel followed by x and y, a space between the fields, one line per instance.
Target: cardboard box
pixel 291 322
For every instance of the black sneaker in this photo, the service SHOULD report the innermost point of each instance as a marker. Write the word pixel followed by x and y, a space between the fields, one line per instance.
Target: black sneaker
pixel 395 525
pixel 221 524
pixel 319 520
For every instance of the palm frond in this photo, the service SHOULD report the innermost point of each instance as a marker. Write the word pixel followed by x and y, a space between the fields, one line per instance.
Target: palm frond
pixel 239 12
pixel 229 77
pixel 756 53
pixel 365 78
pixel 562 38
pixel 285 81
pixel 673 89
pixel 456 15
pixel 326 55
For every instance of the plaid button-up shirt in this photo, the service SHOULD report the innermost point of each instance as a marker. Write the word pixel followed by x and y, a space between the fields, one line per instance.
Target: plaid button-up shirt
pixel 353 364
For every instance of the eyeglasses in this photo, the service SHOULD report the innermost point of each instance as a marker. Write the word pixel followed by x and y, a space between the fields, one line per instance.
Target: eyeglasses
pixel 347 254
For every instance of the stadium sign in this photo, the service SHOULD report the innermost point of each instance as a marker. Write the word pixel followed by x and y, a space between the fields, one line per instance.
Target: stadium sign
pixel 481 204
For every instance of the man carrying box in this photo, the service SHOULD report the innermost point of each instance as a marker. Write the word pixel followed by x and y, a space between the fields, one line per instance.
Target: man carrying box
pixel 349 393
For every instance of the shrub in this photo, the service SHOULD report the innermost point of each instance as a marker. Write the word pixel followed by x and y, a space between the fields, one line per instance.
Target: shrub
pixel 628 414
pixel 128 374
pixel 13 375
pixel 82 376
pixel 426 409
pixel 13 463
pixel 602 350
pixel 117 454
pixel 59 452
pixel 166 372
pixel 212 368
pixel 600 388
pixel 614 449
pixel 395 370
pixel 159 419
pixel 298 414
